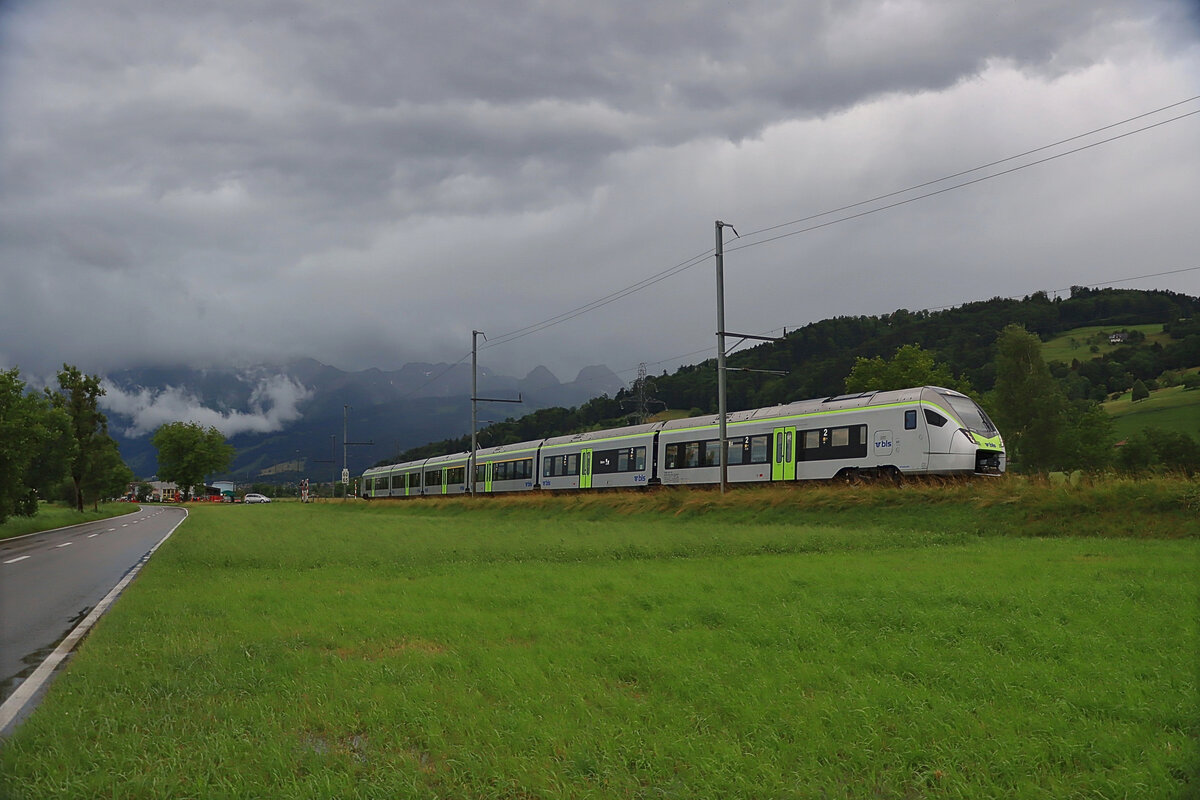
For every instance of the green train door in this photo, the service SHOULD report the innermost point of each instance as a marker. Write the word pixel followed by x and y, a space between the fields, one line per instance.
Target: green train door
pixel 783 455
pixel 488 470
pixel 585 469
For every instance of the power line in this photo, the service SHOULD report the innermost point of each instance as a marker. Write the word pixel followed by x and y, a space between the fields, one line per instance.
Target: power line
pixel 955 186
pixel 657 277
pixel 972 169
pixel 521 333
pixel 566 316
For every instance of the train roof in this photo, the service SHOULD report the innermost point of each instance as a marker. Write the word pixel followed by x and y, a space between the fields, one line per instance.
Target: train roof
pixel 815 406
pixel 608 433
pixel 516 448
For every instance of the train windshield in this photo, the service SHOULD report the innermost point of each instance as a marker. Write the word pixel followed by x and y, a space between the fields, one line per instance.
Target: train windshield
pixel 972 416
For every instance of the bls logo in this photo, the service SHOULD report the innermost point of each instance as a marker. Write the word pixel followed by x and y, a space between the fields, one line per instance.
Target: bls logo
pixel 883 443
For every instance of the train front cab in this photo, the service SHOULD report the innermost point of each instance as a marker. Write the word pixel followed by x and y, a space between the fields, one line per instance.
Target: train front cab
pixel 961 439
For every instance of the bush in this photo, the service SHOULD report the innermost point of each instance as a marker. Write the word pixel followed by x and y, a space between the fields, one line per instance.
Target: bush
pixel 27 506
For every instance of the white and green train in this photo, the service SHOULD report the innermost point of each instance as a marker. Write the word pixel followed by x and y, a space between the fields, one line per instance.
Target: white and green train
pixel 925 430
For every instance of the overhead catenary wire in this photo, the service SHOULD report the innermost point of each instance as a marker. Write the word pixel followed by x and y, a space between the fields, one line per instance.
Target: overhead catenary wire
pixel 946 189
pixel 651 280
pixel 996 163
pixel 662 275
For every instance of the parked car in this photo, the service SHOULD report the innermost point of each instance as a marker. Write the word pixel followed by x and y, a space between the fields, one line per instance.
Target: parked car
pixel 254 497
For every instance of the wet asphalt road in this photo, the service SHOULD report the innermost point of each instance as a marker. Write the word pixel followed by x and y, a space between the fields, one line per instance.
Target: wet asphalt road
pixel 50 581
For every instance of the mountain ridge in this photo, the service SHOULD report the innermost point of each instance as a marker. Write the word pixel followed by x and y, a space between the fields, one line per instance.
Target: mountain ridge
pixel 289 412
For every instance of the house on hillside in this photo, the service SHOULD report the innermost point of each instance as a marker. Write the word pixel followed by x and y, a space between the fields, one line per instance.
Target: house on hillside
pixel 1118 338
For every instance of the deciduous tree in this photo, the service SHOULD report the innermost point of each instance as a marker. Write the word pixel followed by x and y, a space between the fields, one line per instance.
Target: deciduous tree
pixel 18 439
pixel 910 366
pixel 79 396
pixel 187 452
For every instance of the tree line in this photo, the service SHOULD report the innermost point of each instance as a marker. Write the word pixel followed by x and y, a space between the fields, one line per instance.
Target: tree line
pixel 54 445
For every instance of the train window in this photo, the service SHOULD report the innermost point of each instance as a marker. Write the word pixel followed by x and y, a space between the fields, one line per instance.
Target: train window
pixel 672 457
pixel 758 450
pixel 433 478
pixel 935 419
pixel 712 453
pixel 848 441
pixel 456 475
pixel 628 459
pixel 691 454
pixel 414 480
pixel 910 420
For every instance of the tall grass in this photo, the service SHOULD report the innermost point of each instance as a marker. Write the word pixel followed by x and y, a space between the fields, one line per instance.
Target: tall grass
pixel 819 644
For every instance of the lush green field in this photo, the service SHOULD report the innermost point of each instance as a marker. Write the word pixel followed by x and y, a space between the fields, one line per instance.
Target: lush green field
pixel 1171 409
pixel 1009 639
pixel 53 515
pixel 1076 343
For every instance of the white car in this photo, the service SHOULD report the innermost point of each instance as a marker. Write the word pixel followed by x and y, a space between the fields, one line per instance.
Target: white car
pixel 254 497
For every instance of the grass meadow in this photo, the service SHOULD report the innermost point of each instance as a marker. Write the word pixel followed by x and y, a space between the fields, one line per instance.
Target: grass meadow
pixel 1172 409
pixel 1009 639
pixel 1076 343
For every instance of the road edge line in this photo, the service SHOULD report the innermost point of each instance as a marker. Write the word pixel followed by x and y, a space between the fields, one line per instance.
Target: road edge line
pixel 76 525
pixel 30 686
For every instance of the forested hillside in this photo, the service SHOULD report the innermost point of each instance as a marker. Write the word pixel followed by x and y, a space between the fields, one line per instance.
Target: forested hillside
pixel 818 358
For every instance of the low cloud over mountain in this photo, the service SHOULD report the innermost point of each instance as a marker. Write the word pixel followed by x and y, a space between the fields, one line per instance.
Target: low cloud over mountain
pixel 274 402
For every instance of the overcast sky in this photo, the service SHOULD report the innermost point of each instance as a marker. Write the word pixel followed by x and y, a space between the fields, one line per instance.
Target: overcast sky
pixel 195 182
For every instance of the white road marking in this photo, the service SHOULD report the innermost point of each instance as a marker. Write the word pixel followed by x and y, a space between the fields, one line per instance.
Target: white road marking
pixel 93 535
pixel 64 544
pixel 26 691
pixel 15 560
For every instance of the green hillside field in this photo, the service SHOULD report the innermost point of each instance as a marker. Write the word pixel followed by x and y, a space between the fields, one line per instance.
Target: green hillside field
pixel 1172 409
pixel 1076 343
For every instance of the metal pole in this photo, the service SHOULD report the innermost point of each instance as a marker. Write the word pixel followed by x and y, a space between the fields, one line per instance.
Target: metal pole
pixel 721 350
pixel 474 405
pixel 345 463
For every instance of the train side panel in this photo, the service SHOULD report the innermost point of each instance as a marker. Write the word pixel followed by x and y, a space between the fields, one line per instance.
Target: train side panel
pixel 619 458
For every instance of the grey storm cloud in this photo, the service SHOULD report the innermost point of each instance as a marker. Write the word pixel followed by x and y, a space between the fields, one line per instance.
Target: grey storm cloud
pixel 365 183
